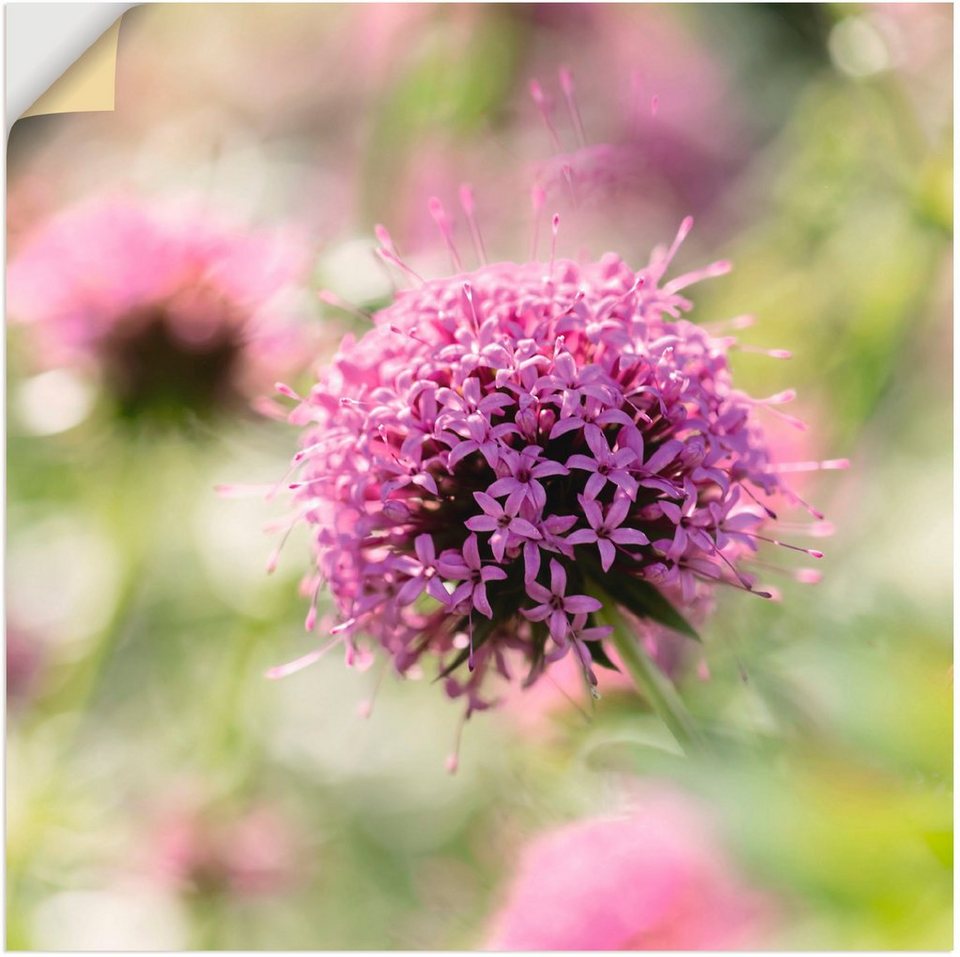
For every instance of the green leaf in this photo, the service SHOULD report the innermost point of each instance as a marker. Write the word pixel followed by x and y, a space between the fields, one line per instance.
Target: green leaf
pixel 599 656
pixel 656 687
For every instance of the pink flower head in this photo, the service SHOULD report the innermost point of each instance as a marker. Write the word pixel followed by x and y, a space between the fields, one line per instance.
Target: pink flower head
pixel 168 304
pixel 655 879
pixel 559 432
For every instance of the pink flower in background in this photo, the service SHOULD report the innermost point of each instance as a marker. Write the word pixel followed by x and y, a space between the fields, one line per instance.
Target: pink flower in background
pixel 654 879
pixel 26 658
pixel 658 130
pixel 673 128
pixel 198 847
pixel 165 301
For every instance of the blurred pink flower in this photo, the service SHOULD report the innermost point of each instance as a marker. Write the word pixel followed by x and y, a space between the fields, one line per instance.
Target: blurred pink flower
pixel 26 655
pixel 197 847
pixel 656 879
pixel 655 132
pixel 166 299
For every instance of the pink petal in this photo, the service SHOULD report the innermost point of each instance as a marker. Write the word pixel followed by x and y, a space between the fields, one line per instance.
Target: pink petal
pixel 460 593
pixel 536 614
pixel 453 568
pixel 581 603
pixel 427 481
pixel 566 367
pixel 560 523
pixel 582 462
pixel 626 481
pixel 663 456
pixel 537 592
pixel 596 441
pixel 461 451
pixel 471 552
pixel 558 577
pixel 671 510
pixel 608 552
pixel 503 486
pixel 425 549
pixel 488 504
pixel 515 499
pixel 596 634
pixel 491 573
pixel 491 453
pixel 482 523
pixel 616 415
pixel 559 625
pixel 498 543
pixel 481 602
pixel 595 485
pixel 537 495
pixel 618 511
pixel 678 545
pixel 520 526
pixel 563 426
pixel 531 562
pixel 592 511
pixel 549 468
pixel 411 590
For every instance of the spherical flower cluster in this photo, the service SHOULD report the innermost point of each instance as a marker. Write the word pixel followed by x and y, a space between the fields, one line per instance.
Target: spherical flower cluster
pixel 509 453
pixel 168 304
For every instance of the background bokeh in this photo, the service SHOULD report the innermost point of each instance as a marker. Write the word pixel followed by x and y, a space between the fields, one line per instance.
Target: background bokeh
pixel 161 794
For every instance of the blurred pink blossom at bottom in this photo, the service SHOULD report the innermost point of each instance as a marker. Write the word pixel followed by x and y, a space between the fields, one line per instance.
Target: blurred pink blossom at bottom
pixel 655 879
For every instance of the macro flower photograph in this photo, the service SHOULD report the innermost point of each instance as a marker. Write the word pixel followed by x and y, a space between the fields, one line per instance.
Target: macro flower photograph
pixel 478 479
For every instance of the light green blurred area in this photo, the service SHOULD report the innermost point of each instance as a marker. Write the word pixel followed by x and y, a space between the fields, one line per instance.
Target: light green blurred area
pixel 144 595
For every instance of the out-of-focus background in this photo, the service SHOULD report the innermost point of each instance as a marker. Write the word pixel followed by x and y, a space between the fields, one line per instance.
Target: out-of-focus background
pixel 161 794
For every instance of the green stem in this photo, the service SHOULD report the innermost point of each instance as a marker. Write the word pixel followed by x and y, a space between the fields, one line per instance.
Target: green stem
pixel 657 688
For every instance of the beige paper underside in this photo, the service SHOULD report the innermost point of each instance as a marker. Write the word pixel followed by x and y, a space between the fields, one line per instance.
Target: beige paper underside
pixel 89 84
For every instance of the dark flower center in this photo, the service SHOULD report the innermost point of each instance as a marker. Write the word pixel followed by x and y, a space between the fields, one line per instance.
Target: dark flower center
pixel 153 372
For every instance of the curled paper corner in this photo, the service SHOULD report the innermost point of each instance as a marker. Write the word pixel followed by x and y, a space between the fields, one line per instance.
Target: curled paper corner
pixel 89 84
